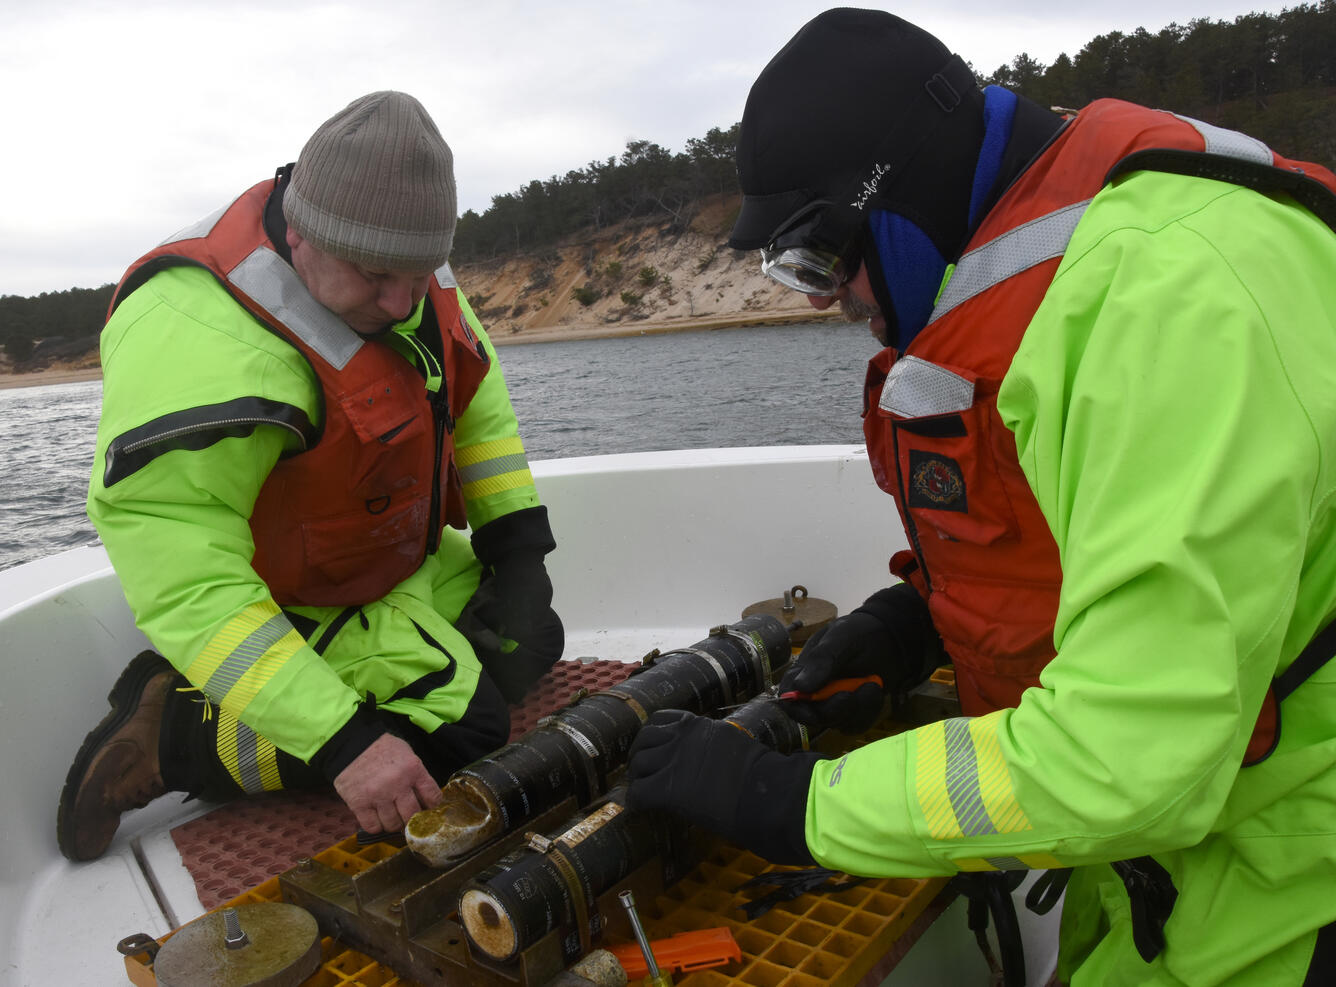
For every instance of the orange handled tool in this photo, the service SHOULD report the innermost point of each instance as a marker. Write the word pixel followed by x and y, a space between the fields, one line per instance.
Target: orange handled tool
pixel 833 688
pixel 682 953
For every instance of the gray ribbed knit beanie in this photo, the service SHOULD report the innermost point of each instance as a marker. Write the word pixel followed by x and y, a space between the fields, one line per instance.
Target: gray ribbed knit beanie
pixel 375 185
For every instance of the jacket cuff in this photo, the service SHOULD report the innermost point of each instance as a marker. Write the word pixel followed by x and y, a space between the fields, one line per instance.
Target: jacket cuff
pixel 522 532
pixel 779 783
pixel 361 731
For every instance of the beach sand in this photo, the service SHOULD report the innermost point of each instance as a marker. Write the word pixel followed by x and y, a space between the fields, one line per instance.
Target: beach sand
pixel 75 374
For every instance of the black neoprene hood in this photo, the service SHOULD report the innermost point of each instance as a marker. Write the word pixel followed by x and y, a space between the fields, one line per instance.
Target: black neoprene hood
pixel 821 111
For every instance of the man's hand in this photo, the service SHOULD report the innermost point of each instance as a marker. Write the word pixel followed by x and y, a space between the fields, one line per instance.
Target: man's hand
pixel 386 785
pixel 890 636
pixel 717 777
pixel 852 646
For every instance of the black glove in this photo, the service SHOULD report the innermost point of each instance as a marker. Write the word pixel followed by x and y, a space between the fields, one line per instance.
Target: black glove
pixel 510 621
pixel 890 636
pixel 714 776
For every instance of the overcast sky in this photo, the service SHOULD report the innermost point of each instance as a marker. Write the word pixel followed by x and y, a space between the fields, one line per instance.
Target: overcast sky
pixel 127 120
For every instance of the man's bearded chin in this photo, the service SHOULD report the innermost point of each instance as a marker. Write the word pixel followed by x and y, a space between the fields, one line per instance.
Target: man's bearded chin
pixel 856 310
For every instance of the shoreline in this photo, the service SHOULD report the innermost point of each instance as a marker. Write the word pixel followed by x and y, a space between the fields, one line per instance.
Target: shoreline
pixel 554 334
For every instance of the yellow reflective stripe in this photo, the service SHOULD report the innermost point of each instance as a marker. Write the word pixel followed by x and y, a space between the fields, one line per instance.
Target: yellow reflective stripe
pixel 235 631
pixel 244 655
pixel 930 782
pixel 226 745
pixel 479 452
pixel 497 484
pixel 251 760
pixel 1024 861
pixel 975 864
pixel 962 782
pixel 994 778
pixel 489 468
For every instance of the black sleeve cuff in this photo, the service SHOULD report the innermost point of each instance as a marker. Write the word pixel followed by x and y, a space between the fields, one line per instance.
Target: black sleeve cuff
pixel 775 787
pixel 525 532
pixel 361 731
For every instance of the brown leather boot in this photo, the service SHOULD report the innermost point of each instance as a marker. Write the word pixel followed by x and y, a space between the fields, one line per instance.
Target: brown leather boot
pixel 117 767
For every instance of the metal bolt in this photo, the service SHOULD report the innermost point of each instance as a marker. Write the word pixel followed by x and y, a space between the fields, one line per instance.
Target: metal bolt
pixel 235 935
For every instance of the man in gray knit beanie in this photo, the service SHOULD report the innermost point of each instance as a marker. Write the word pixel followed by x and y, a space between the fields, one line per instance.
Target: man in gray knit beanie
pixel 300 389
pixel 375 186
pixel 372 193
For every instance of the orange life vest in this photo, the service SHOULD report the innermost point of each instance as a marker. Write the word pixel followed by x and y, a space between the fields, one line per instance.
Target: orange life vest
pixel 982 554
pixel 347 518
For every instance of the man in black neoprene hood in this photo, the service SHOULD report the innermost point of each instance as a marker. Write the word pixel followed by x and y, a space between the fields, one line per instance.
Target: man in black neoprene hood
pixel 904 180
pixel 1104 412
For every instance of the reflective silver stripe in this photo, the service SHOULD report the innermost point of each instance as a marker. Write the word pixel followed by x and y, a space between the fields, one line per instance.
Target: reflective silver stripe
pixel 916 388
pixel 1008 255
pixel 1230 143
pixel 493 467
pixel 1047 237
pixel 268 279
pixel 248 759
pixel 199 228
pixel 1008 863
pixel 962 780
pixel 245 655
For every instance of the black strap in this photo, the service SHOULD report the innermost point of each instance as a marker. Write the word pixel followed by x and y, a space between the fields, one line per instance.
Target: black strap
pixel 1047 890
pixel 989 894
pixel 1152 893
pixel 792 884
pixel 1309 192
pixel 335 625
pixel 1318 652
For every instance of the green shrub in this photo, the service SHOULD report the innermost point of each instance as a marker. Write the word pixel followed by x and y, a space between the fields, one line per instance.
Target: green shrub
pixel 586 295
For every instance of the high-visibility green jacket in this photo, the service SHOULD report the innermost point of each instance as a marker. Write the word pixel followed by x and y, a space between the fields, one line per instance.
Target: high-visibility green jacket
pixel 177 528
pixel 1173 405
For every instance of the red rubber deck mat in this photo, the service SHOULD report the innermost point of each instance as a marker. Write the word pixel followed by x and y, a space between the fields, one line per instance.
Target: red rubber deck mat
pixel 241 844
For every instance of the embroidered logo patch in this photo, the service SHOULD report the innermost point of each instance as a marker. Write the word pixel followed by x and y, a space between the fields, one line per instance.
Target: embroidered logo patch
pixel 935 481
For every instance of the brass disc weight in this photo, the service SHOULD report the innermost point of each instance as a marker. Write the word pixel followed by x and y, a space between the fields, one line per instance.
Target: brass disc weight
pixel 797 605
pixel 283 950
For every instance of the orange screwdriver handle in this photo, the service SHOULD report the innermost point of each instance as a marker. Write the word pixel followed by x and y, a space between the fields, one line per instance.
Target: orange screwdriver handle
pixel 681 953
pixel 833 688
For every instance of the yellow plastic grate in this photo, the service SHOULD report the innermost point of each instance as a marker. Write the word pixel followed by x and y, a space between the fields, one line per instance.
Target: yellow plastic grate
pixel 816 940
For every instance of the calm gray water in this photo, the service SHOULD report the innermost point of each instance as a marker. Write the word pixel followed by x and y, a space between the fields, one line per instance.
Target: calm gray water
pixel 776 385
